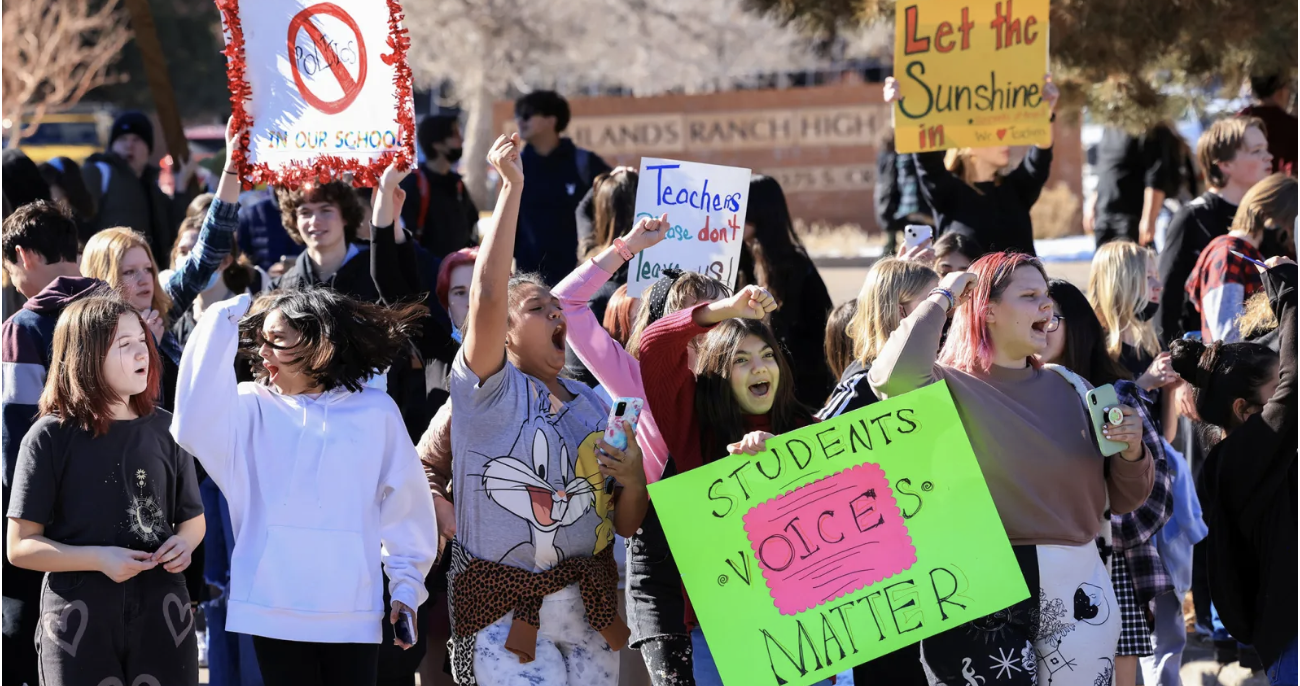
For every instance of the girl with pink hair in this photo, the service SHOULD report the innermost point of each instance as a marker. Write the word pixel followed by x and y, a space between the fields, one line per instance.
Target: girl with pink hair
pixel 1050 483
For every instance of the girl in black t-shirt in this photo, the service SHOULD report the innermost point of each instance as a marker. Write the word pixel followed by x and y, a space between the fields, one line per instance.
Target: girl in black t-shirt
pixel 107 504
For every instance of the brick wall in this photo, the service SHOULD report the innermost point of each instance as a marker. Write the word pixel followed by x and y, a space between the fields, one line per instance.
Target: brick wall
pixel 819 142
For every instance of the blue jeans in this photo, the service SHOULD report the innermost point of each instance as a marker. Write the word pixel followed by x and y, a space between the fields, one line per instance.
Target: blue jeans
pixel 706 670
pixel 1283 672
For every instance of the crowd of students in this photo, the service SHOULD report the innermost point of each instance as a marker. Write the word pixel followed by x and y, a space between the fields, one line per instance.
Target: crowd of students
pixel 386 451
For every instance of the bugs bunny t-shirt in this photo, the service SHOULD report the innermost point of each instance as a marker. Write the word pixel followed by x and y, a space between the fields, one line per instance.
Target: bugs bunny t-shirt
pixel 524 474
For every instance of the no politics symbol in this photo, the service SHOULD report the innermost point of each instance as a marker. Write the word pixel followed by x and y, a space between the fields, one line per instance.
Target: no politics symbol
pixel 323 53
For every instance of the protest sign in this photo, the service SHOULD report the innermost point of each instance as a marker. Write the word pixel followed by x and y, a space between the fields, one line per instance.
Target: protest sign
pixel 705 204
pixel 970 74
pixel 846 540
pixel 323 88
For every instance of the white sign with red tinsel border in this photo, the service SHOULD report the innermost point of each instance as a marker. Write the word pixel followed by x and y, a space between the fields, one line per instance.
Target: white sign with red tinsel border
pixel 322 89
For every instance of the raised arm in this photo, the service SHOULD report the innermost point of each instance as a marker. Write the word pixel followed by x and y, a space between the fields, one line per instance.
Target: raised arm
pixel 907 362
pixel 613 367
pixel 207 422
pixel 485 334
pixel 216 238
pixel 393 265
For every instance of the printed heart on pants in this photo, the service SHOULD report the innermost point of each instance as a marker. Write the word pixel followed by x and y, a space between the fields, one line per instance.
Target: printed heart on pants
pixel 61 620
pixel 184 612
pixel 142 680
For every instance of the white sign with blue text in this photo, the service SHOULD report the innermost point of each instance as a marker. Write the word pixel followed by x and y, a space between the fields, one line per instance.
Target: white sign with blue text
pixel 705 204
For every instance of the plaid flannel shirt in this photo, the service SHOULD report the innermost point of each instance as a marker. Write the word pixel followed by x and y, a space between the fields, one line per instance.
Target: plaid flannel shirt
pixel 216 239
pixel 1134 532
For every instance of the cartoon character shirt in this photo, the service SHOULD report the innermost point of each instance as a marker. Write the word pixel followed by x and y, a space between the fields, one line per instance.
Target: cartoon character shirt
pixel 524 474
pixel 128 488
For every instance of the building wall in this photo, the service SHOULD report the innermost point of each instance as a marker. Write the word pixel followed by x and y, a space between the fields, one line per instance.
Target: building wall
pixel 819 142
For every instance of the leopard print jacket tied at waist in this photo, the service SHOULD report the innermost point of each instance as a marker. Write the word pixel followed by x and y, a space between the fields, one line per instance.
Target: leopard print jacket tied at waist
pixel 485 591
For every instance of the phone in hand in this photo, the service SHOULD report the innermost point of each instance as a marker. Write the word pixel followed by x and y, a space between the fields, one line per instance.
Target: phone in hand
pixel 1103 408
pixel 404 629
pixel 625 412
pixel 916 234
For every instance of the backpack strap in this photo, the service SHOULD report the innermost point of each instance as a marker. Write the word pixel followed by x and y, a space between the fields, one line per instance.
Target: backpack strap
pixel 422 183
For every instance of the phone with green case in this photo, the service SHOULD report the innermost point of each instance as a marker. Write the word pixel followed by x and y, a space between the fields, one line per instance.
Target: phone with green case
pixel 1103 408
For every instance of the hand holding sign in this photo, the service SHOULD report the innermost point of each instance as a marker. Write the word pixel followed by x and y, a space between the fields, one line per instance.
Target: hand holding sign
pixel 647 233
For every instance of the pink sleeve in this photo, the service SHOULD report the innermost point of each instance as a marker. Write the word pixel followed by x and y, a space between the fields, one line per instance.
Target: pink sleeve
pixel 613 367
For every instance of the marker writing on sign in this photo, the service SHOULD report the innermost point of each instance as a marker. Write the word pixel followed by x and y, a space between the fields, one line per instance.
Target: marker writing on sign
pixel 699 199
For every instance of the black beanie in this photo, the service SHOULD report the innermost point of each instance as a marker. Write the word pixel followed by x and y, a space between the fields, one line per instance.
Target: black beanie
pixel 132 122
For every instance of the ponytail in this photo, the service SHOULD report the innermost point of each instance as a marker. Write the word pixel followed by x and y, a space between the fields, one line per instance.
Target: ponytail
pixel 1221 373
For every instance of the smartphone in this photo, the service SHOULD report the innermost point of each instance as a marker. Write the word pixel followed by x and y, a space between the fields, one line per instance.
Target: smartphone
pixel 1103 407
pixel 916 234
pixel 625 411
pixel 405 628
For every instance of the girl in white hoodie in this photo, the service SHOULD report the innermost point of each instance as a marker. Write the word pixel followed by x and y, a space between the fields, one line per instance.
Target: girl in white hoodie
pixel 322 478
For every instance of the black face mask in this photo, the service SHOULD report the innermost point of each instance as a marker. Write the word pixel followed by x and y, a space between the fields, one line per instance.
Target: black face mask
pixel 453 154
pixel 1146 313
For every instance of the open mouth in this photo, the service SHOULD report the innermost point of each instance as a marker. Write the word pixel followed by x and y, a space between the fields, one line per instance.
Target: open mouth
pixel 559 336
pixel 271 370
pixel 1040 326
pixel 760 389
pixel 541 505
pixel 142 371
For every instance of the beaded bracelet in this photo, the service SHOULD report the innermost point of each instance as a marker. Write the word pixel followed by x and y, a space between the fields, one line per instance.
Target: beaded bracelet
pixel 952 301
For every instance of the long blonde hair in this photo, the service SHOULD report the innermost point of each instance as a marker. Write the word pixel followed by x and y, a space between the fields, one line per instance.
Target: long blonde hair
pixel 102 260
pixel 1117 290
pixel 880 303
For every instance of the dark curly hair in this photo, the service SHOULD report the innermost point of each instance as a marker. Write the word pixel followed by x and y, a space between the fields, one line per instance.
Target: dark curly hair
pixel 345 341
pixel 336 193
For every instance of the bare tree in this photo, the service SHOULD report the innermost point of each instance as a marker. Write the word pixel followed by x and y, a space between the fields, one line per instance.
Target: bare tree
pixel 488 48
pixel 55 51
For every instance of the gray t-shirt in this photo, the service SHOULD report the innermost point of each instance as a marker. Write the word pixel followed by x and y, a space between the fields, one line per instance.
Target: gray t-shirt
pixel 524 475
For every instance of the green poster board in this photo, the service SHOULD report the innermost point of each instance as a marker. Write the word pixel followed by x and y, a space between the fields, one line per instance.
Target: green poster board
pixel 846 540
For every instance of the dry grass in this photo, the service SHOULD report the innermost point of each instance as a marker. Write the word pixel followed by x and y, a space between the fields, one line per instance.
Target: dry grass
pixel 842 240
pixel 1057 213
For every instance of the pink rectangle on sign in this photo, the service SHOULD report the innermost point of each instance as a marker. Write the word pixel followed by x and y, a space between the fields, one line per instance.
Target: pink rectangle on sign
pixel 829 538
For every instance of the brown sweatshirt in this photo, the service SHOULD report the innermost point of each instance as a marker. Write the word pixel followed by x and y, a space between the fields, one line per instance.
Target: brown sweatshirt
pixel 1030 434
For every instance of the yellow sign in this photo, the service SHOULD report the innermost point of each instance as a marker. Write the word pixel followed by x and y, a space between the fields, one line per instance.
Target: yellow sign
pixel 970 74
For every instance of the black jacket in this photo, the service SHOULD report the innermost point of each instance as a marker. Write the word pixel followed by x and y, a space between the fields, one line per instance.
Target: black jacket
pixel 1248 492
pixel 449 213
pixel 1196 224
pixel 137 202
pixel 996 214
pixel 889 179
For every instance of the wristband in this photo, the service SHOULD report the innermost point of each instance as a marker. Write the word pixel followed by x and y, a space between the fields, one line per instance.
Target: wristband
pixel 952 302
pixel 622 250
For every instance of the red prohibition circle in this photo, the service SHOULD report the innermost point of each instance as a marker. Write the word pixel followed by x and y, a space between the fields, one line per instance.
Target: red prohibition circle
pixel 351 87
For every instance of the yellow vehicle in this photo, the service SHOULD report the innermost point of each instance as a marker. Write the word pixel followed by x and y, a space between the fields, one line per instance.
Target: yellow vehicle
pixel 75 136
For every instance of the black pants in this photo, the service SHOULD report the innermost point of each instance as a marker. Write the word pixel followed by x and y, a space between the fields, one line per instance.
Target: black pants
pixel 294 663
pixel 1116 227
pixel 899 668
pixel 97 632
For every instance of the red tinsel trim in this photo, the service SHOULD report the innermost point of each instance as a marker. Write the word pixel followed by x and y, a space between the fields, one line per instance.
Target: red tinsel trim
pixel 321 168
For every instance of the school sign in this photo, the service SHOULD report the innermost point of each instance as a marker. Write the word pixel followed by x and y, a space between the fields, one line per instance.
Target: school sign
pixel 845 541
